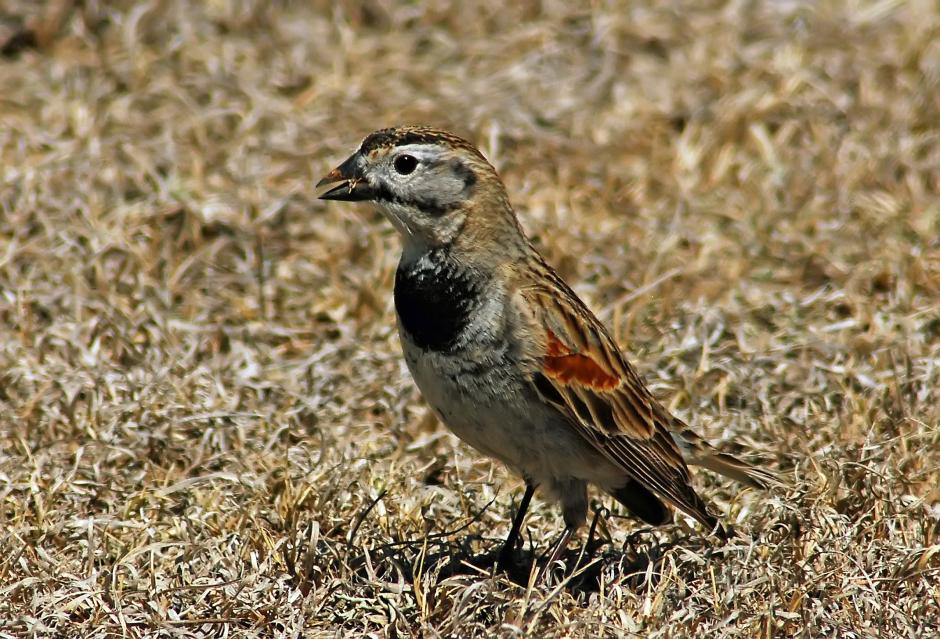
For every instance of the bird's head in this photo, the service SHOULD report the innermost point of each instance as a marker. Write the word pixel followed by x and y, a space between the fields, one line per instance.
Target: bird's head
pixel 433 186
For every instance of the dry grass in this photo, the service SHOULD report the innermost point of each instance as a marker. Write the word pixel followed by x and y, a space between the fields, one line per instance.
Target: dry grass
pixel 205 423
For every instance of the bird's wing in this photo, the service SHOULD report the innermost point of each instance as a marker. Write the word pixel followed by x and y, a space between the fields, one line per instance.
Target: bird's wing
pixel 580 371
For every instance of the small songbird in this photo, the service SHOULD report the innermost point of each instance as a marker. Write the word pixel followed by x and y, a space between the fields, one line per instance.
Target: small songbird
pixel 506 354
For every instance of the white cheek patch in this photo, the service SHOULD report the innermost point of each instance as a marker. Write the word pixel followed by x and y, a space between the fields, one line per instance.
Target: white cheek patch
pixel 446 188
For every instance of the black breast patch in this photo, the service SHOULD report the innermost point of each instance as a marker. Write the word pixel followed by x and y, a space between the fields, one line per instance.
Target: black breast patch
pixel 435 299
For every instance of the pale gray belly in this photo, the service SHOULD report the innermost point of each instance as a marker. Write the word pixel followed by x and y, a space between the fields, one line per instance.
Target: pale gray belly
pixel 483 400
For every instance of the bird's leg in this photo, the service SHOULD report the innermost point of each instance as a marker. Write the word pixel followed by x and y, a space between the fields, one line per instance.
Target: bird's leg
pixel 505 555
pixel 599 512
pixel 560 545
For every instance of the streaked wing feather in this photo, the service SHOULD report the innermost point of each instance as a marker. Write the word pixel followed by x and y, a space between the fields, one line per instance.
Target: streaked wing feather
pixel 584 375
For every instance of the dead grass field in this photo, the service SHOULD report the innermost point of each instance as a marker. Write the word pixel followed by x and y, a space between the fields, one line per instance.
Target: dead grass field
pixel 206 428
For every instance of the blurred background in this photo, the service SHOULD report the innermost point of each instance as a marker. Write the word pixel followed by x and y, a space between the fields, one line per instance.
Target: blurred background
pixel 205 421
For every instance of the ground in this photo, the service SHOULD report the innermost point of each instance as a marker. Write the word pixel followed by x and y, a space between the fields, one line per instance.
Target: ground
pixel 206 427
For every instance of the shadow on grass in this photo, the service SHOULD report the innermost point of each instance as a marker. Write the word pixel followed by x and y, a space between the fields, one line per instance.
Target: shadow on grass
pixel 586 567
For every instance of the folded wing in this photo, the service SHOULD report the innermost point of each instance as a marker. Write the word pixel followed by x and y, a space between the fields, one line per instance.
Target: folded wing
pixel 583 374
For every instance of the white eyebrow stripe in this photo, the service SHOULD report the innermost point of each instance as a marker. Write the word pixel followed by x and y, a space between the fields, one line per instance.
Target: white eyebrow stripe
pixel 424 152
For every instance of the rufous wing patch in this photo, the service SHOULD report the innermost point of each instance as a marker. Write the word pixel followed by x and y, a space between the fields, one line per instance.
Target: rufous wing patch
pixel 563 365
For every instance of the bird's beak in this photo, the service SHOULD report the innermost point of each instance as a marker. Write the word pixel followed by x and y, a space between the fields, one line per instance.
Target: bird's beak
pixel 346 183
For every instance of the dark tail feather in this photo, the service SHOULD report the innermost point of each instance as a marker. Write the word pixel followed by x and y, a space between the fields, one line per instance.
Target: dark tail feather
pixel 642 503
pixel 651 509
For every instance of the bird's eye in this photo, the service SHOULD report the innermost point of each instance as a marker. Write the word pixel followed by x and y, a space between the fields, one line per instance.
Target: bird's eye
pixel 405 164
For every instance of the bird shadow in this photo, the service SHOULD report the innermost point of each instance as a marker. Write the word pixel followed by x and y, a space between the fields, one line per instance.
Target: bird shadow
pixel 582 570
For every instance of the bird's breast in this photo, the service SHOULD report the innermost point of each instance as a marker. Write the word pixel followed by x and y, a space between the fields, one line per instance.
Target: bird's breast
pixel 437 300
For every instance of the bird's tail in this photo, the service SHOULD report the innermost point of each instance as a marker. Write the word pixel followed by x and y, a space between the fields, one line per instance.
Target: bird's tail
pixel 699 452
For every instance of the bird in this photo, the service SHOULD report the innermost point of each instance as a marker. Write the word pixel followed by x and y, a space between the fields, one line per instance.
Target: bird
pixel 505 353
